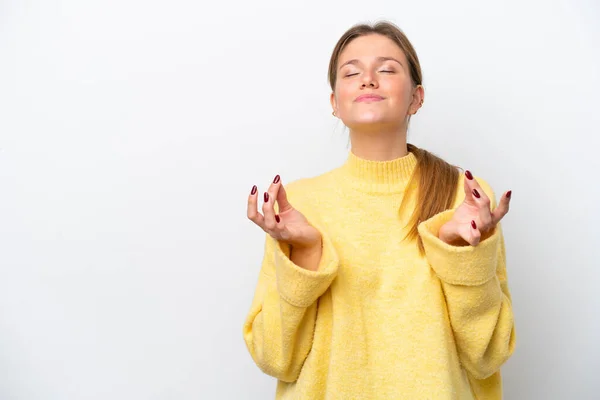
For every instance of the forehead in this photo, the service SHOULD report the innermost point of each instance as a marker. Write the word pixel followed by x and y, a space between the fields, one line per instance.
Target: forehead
pixel 371 46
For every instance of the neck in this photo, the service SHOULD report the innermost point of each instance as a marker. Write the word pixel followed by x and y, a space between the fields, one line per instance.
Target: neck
pixel 378 143
pixel 379 176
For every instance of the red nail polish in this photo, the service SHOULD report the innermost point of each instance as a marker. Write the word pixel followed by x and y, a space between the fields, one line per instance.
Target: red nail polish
pixel 469 175
pixel 473 224
pixel 277 218
pixel 266 197
pixel 476 193
pixel 276 179
pixel 254 189
pixel 509 194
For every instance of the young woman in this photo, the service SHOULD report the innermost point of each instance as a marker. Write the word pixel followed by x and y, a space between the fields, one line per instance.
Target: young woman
pixel 384 278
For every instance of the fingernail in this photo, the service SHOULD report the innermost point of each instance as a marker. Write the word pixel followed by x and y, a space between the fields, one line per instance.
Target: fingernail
pixel 473 224
pixel 254 189
pixel 476 193
pixel 266 197
pixel 277 218
pixel 276 179
pixel 469 175
pixel 509 194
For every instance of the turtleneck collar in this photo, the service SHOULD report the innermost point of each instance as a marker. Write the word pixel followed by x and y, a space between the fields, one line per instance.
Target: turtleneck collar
pixel 390 176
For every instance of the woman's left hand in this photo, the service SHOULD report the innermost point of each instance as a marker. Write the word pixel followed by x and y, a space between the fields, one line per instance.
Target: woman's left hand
pixel 473 220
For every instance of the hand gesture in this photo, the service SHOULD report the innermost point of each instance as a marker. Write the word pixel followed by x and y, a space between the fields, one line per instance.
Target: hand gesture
pixel 289 226
pixel 473 219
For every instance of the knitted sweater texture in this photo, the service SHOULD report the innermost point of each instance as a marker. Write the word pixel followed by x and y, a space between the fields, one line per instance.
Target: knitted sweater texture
pixel 377 320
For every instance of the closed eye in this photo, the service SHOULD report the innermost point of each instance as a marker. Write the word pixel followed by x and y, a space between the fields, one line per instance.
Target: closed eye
pixel 356 73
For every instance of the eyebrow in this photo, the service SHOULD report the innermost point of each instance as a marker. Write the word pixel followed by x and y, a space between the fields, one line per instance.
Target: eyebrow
pixel 380 59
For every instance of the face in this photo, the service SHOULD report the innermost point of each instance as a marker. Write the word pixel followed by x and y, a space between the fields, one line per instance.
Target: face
pixel 373 85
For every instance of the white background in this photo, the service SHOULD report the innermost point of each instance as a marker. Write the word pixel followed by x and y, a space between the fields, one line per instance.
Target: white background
pixel 132 131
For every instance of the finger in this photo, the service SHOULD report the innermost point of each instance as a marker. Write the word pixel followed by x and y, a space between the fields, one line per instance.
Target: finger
pixel 276 194
pixel 467 187
pixel 480 199
pixel 274 191
pixel 475 191
pixel 269 211
pixel 474 234
pixel 253 214
pixel 282 201
pixel 502 208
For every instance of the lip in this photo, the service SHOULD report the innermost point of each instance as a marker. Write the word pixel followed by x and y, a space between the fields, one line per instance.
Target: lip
pixel 368 98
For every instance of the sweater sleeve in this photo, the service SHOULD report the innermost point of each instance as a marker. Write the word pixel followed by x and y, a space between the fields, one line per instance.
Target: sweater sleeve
pixel 279 328
pixel 475 285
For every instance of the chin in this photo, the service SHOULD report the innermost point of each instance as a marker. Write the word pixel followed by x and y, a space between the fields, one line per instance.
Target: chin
pixel 369 119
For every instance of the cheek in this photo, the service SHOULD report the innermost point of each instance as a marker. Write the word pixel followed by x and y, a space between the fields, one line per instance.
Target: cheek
pixel 397 88
pixel 345 94
pixel 400 95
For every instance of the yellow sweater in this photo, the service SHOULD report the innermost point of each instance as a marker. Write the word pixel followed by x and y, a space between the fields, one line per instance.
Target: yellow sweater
pixel 377 320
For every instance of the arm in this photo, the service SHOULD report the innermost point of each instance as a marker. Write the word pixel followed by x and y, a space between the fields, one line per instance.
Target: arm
pixel 475 285
pixel 279 328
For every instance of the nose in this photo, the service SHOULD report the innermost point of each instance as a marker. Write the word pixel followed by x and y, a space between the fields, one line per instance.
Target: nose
pixel 369 81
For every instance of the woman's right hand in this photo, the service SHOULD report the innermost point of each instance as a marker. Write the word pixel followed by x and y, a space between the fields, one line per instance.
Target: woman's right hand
pixel 289 226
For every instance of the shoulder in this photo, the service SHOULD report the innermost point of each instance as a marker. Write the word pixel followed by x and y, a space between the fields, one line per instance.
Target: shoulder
pixel 484 184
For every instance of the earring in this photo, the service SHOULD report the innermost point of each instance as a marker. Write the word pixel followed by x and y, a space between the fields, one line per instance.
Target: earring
pixel 422 101
pixel 333 113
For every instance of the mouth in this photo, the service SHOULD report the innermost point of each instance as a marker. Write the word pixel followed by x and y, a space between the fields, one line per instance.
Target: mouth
pixel 368 98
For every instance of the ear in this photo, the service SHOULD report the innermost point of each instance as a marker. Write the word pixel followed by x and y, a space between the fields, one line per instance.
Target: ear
pixel 333 101
pixel 417 100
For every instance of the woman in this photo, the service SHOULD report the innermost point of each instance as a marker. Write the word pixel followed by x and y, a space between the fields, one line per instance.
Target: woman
pixel 384 278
